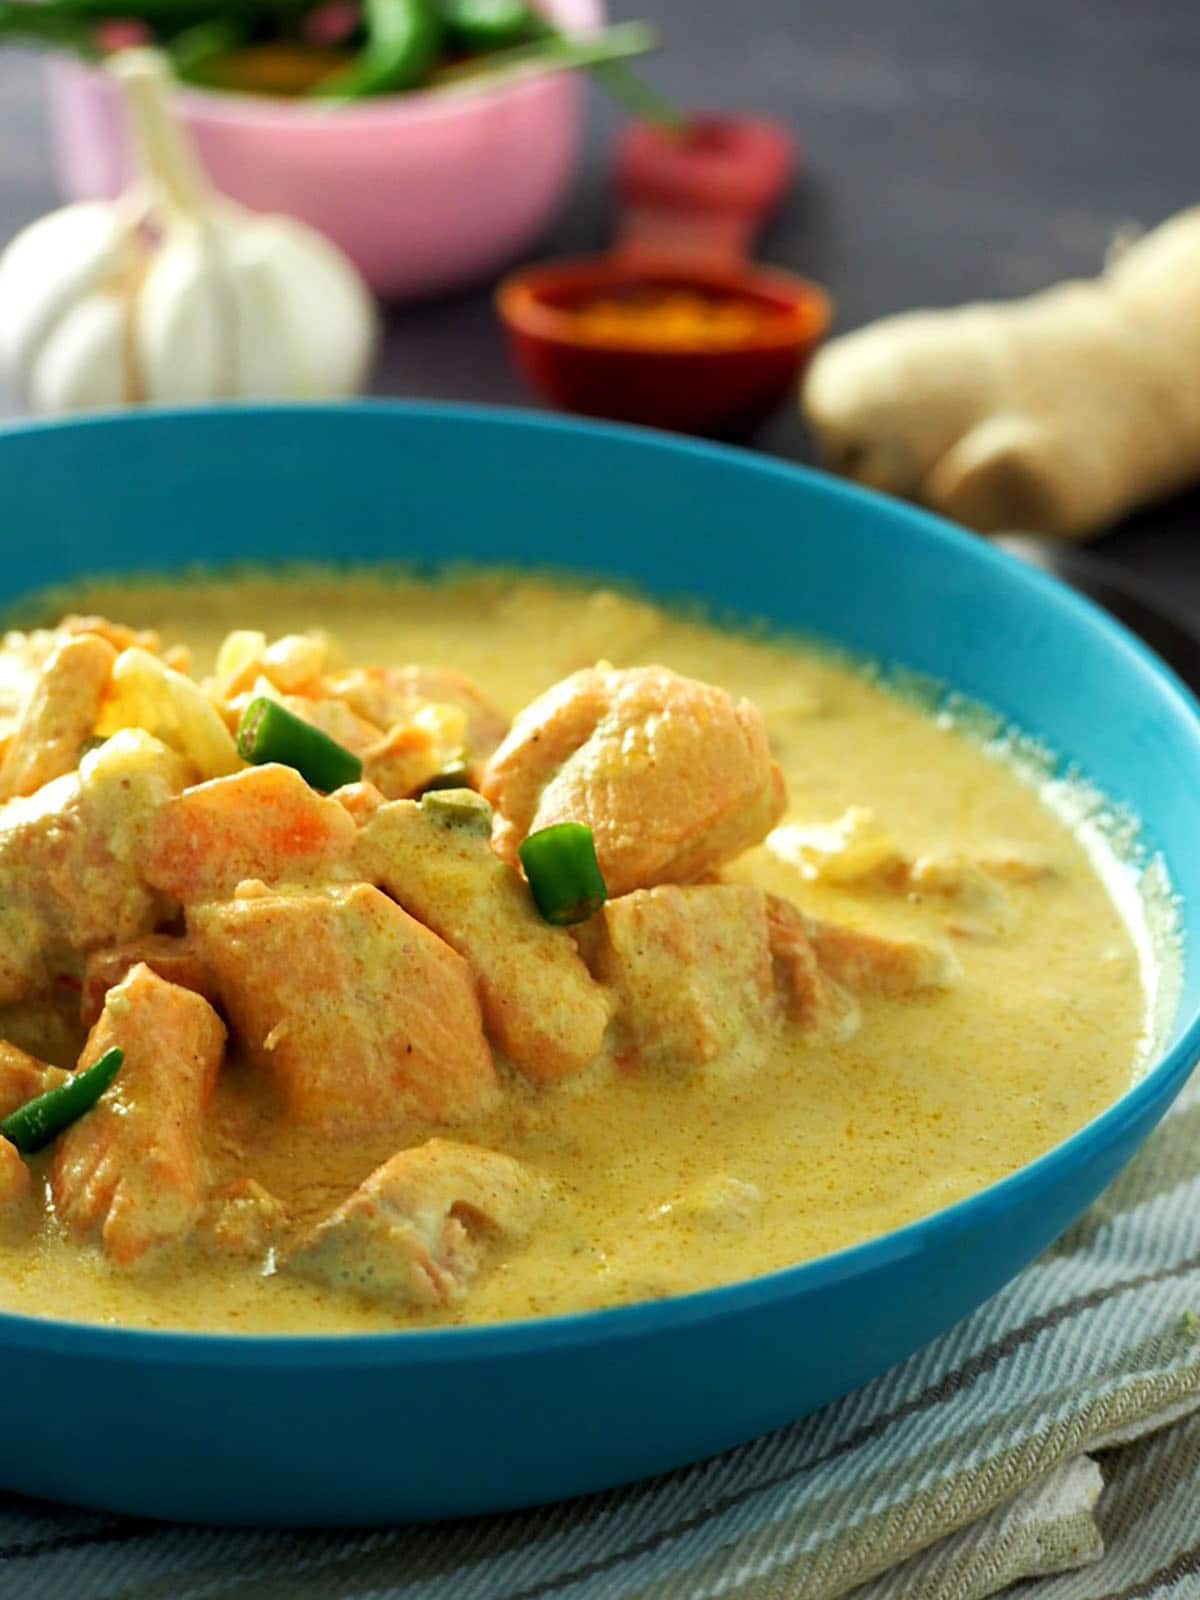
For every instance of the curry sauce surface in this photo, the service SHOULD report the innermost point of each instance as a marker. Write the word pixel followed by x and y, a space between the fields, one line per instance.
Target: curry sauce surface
pixel 935 1096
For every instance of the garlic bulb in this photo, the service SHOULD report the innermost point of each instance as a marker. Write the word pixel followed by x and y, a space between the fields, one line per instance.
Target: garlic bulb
pixel 173 294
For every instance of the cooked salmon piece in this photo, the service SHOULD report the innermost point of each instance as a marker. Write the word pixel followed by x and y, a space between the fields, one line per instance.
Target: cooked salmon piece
pixel 131 1166
pixel 855 853
pixel 415 754
pixel 173 958
pixel 264 823
pixel 14 1176
pixel 1011 864
pixel 673 776
pixel 360 800
pixel 23 1077
pixel 388 696
pixel 871 964
pixel 71 859
pixel 813 999
pixel 334 718
pixel 420 1228
pixel 361 1015
pixel 147 692
pixel 22 657
pixel 541 1006
pixel 403 761
pixel 691 968
pixel 244 1219
pixel 852 852
pixel 293 664
pixel 59 715
pixel 981 907
pixel 114 633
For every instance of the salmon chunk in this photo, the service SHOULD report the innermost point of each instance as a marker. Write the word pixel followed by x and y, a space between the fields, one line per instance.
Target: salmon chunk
pixel 868 963
pixel 244 1220
pixel 691 968
pixel 851 852
pixel 541 1006
pixel 292 665
pixel 131 1167
pixel 360 1014
pixel 175 959
pixel 117 634
pixel 61 712
pixel 982 908
pixel 14 1176
pixel 813 999
pixel 388 696
pixel 673 776
pixel 420 1228
pixel 263 823
pixel 416 754
pixel 23 1077
pixel 334 718
pixel 71 860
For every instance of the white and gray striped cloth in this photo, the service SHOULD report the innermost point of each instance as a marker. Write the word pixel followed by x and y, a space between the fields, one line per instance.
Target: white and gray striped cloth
pixel 995 1457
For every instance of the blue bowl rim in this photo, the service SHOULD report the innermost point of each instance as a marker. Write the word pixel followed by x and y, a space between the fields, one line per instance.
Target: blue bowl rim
pixel 422 1347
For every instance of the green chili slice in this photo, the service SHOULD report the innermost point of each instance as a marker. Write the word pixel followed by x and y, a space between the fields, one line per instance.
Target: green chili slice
pixel 458 808
pixel 564 876
pixel 39 1121
pixel 270 732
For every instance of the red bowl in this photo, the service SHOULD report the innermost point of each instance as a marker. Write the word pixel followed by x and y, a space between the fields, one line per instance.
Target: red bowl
pixel 720 393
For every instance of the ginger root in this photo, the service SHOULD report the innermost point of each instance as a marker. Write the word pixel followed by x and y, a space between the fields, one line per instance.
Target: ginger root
pixel 1054 414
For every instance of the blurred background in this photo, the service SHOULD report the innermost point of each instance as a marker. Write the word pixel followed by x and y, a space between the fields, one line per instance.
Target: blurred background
pixel 950 150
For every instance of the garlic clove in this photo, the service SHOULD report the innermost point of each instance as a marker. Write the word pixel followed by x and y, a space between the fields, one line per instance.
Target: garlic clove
pixel 184 336
pixel 46 270
pixel 173 294
pixel 271 361
pixel 82 363
pixel 323 311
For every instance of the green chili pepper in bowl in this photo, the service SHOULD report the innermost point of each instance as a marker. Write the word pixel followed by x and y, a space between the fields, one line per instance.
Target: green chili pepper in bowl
pixel 38 1121
pixel 404 41
pixel 193 52
pixel 477 27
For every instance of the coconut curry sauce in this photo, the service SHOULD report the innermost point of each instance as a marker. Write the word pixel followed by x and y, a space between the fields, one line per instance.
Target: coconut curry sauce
pixel 456 1111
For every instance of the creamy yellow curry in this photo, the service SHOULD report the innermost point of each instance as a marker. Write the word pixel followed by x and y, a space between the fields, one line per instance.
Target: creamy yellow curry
pixel 378 1064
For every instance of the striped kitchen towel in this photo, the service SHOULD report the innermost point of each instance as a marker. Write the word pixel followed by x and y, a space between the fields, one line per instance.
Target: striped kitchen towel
pixel 994 1457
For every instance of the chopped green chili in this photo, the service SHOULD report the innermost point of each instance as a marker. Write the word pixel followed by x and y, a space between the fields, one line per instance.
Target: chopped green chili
pixel 564 876
pixel 39 1121
pixel 458 808
pixel 270 732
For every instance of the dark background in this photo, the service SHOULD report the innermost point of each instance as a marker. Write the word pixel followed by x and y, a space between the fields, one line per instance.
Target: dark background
pixel 953 149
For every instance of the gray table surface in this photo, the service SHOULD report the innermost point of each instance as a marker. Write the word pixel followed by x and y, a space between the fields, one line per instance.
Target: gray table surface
pixel 954 149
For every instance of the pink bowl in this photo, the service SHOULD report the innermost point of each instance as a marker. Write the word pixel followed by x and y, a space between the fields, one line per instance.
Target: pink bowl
pixel 425 192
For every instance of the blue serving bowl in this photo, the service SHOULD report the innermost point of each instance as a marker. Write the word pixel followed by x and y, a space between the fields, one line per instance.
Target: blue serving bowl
pixel 372 1429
